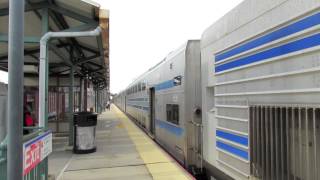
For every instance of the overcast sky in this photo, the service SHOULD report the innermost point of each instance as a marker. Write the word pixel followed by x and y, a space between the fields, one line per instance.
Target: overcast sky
pixel 143 32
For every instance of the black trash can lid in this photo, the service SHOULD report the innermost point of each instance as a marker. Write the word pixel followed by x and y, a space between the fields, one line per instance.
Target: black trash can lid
pixel 84 119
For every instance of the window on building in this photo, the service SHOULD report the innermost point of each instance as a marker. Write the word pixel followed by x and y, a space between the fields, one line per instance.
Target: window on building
pixel 173 113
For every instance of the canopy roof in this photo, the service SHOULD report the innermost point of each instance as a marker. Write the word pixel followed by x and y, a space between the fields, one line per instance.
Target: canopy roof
pixel 90 55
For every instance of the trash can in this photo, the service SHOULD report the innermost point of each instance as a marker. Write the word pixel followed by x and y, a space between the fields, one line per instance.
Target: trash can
pixel 84 132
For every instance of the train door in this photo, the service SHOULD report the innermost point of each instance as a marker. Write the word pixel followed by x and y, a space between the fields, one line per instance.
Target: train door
pixel 152 110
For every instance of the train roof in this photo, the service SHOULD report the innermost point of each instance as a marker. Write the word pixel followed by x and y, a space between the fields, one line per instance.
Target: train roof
pixel 169 56
pixel 239 18
pixel 225 25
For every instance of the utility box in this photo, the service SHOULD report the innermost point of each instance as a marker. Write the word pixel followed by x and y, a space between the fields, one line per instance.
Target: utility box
pixel 84 132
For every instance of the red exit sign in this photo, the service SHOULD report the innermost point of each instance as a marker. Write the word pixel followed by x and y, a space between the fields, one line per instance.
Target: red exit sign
pixel 35 151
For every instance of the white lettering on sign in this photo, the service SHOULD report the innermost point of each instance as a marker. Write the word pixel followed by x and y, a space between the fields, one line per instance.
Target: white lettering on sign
pixel 35 151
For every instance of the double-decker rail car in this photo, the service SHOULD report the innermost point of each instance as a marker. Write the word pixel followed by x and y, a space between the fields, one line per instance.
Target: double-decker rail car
pixel 261 90
pixel 166 101
pixel 260 95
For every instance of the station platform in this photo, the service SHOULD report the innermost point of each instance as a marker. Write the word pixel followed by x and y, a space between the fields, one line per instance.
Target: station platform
pixel 124 151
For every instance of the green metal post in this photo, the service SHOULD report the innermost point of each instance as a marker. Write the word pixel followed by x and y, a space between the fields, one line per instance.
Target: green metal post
pixel 98 101
pixel 45 29
pixel 15 90
pixel 95 101
pixel 71 98
pixel 80 95
pixel 85 95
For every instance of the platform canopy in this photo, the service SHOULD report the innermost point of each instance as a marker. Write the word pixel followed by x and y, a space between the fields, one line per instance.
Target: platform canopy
pixel 88 55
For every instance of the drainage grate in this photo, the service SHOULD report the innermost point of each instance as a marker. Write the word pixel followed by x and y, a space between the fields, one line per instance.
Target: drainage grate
pixel 284 142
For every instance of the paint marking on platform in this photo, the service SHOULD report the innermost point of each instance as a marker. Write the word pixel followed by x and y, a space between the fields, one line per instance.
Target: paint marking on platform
pixel 159 163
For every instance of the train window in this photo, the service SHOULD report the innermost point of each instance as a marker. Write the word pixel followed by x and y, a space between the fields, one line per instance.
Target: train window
pixel 173 113
pixel 143 86
pixel 139 87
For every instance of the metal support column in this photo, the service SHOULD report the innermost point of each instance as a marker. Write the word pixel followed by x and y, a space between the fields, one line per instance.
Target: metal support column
pixel 15 89
pixel 45 29
pixel 85 95
pixel 97 96
pixel 58 103
pixel 96 101
pixel 80 95
pixel 71 103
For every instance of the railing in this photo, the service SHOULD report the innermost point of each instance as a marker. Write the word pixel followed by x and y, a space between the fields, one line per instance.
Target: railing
pixel 3 160
pixel 40 172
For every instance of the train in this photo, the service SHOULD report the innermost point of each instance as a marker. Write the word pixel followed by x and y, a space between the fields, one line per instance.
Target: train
pixel 243 101
pixel 168 94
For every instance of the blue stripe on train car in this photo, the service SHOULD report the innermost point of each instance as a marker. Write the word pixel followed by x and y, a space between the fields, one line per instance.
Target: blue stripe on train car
pixel 278 34
pixel 232 137
pixel 165 85
pixel 233 150
pixel 139 107
pixel 178 131
pixel 145 108
pixel 291 47
pixel 137 99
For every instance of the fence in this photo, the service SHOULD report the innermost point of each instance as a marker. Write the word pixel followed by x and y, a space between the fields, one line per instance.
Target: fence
pixel 39 172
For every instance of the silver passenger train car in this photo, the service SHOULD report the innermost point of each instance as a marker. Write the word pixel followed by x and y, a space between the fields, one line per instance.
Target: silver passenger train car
pixel 261 91
pixel 260 95
pixel 166 101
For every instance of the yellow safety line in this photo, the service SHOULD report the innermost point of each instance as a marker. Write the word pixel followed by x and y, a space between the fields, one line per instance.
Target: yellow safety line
pixel 159 163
